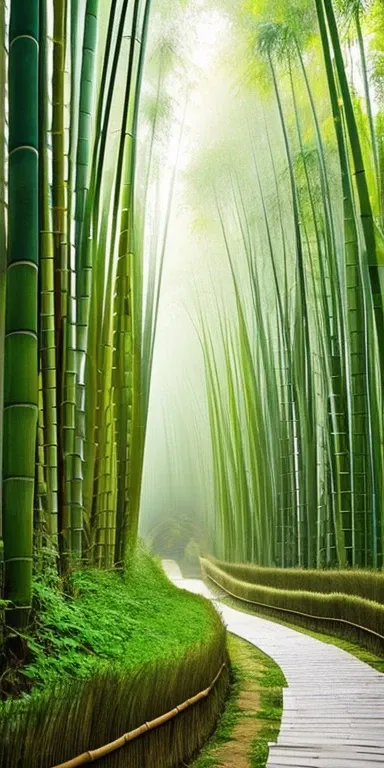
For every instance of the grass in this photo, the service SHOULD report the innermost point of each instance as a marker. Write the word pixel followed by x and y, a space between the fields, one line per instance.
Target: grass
pixel 252 714
pixel 102 619
pixel 104 655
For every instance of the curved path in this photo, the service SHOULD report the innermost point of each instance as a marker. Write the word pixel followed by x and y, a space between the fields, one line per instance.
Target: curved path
pixel 333 710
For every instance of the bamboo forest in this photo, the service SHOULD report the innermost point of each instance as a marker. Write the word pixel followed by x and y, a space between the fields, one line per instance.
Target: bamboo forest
pixel 192 383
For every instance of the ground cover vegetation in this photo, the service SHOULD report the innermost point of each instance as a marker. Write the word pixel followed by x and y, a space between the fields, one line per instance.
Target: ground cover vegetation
pixel 294 362
pixel 106 647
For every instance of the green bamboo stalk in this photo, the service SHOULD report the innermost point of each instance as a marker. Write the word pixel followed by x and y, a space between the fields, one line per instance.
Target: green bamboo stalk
pixel 100 185
pixel 83 244
pixel 335 337
pixel 73 394
pixel 368 102
pixel 123 344
pixel 20 380
pixel 256 431
pixel 3 261
pixel 242 501
pixel 47 296
pixel 302 356
pixel 99 386
pixel 288 399
pixel 128 332
pixel 219 439
pixel 365 208
pixel 140 395
pixel 357 330
pixel 265 354
pixel 40 516
pixel 59 216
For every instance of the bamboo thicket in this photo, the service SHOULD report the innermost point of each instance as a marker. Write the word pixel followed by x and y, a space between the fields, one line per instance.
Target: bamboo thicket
pixel 294 381
pixel 78 336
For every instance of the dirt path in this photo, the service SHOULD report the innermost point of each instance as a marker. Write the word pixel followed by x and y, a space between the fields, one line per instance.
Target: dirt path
pixel 252 717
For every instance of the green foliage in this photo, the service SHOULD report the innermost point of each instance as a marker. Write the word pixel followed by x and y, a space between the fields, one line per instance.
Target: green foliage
pixel 98 620
pixel 113 650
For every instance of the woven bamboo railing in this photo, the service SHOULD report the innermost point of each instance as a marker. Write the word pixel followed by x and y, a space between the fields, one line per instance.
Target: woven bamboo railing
pixel 96 754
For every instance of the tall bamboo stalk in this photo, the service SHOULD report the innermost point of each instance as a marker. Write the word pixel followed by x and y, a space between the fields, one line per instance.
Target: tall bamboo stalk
pixel 21 347
pixel 59 207
pixel 365 208
pixel 357 331
pixel 3 257
pixel 83 241
pixel 47 294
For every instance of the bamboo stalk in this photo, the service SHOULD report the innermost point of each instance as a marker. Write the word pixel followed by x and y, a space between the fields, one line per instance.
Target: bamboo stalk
pixel 47 293
pixel 365 212
pixel 3 250
pixel 21 343
pixel 59 220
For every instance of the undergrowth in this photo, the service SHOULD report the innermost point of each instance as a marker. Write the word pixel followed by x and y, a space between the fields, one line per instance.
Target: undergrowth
pixel 101 619
pixel 105 653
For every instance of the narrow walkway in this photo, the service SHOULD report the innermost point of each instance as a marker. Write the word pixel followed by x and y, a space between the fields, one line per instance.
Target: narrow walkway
pixel 333 711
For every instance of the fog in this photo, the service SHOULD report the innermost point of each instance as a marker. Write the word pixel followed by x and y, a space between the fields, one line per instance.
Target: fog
pixel 256 301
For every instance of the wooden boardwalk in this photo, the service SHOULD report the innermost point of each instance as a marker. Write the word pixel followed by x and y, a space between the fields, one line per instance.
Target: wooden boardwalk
pixel 333 712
